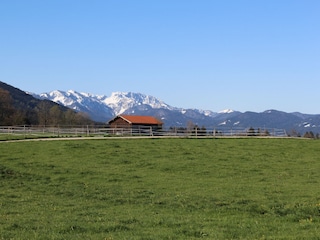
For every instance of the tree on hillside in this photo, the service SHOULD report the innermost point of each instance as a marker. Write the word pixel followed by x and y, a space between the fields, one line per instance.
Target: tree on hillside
pixel 55 116
pixel 43 113
pixel 70 117
pixel 82 119
pixel 7 110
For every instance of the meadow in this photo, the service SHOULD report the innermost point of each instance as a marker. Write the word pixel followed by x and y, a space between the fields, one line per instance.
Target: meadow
pixel 160 189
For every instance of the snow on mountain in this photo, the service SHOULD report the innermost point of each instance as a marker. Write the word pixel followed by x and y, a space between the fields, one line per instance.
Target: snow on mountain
pixel 72 99
pixel 69 98
pixel 226 111
pixel 224 123
pixel 207 113
pixel 81 102
pixel 101 107
pixel 122 101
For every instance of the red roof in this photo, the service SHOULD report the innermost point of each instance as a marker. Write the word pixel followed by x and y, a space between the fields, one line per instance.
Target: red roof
pixel 141 119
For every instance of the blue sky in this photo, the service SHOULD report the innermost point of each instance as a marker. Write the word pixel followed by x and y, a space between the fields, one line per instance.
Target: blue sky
pixel 247 55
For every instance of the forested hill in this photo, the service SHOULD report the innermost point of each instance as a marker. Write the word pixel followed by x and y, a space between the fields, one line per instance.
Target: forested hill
pixel 20 108
pixel 19 99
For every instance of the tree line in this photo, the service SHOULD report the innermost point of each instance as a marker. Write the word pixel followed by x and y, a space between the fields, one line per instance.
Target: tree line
pixel 42 112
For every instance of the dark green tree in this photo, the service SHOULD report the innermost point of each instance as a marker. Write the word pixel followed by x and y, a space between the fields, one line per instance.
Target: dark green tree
pixel 7 110
pixel 251 132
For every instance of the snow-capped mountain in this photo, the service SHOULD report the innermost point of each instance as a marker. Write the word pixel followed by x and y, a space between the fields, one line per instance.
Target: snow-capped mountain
pixel 102 108
pixel 81 102
pixel 122 101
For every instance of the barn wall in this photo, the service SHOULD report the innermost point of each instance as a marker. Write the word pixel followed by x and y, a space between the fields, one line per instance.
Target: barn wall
pixel 153 126
pixel 120 123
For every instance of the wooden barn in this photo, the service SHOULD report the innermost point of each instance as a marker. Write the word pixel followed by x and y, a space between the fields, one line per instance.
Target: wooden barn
pixel 135 122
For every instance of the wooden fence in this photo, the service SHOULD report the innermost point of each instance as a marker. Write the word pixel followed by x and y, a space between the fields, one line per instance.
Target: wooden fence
pixel 87 130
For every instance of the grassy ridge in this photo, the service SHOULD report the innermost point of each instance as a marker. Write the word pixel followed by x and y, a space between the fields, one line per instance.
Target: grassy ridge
pixel 160 189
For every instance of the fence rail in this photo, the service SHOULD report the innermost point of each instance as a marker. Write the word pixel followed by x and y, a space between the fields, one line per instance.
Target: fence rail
pixel 71 131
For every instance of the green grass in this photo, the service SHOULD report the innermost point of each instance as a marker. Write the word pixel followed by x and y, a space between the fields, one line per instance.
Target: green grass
pixel 160 189
pixel 13 137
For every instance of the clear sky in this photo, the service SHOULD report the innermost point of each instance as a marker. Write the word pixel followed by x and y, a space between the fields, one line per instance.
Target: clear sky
pixel 246 55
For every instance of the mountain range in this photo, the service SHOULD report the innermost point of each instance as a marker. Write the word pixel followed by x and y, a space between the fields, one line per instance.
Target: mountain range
pixel 102 108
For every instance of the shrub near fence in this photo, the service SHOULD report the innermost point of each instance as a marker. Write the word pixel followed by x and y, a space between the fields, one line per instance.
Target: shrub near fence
pixel 87 130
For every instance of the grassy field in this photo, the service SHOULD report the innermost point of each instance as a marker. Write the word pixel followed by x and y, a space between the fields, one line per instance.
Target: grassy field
pixel 160 189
